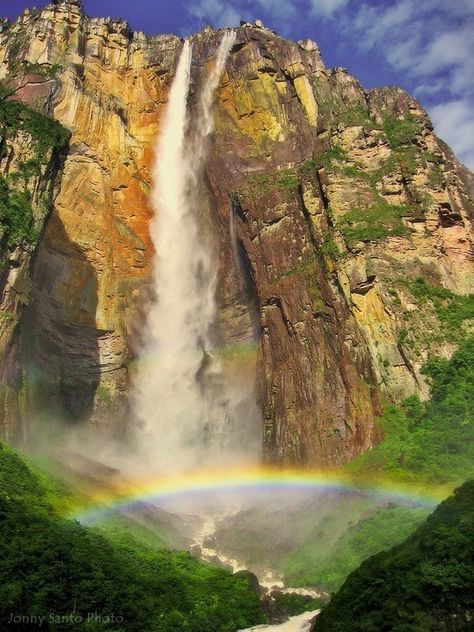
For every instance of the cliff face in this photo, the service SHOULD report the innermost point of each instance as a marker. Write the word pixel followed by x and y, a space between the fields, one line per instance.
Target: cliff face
pixel 32 149
pixel 343 227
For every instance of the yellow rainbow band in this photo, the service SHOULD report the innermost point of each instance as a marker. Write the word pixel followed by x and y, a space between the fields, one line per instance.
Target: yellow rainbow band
pixel 163 487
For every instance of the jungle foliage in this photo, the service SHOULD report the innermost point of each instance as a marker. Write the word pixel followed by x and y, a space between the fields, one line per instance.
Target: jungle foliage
pixel 50 565
pixel 426 443
pixel 430 441
pixel 424 584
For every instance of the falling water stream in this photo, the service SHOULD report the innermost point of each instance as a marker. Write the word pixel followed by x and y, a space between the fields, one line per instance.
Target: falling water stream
pixel 189 413
pixel 186 408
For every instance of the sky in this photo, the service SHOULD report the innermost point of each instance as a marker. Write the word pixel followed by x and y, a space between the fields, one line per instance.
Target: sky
pixel 424 46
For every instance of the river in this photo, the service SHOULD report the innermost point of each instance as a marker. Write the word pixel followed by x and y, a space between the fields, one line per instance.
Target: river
pixel 300 623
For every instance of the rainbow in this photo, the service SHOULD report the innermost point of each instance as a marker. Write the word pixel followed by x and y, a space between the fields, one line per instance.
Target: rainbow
pixel 132 494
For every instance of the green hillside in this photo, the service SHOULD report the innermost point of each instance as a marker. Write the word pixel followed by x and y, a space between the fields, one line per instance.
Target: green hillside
pixel 425 584
pixel 427 443
pixel 52 566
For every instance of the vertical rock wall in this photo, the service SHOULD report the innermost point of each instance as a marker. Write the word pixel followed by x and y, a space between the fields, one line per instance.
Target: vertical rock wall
pixel 343 227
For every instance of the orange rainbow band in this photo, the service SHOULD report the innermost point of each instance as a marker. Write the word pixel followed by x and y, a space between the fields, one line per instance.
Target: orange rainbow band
pixel 127 495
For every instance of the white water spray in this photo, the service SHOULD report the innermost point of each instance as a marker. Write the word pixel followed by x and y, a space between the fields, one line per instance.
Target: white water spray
pixel 181 398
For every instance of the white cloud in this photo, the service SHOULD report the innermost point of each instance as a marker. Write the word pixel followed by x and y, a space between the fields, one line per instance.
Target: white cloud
pixel 430 44
pixel 453 52
pixel 327 8
pixel 424 39
pixel 429 89
pixel 219 13
pixel 376 22
pixel 282 10
pixel 454 123
pixel 230 12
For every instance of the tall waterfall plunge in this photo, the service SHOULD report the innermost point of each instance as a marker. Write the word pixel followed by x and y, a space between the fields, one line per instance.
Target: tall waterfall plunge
pixel 189 412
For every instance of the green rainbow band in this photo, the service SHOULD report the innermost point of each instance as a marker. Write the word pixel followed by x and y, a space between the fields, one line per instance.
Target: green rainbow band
pixel 174 487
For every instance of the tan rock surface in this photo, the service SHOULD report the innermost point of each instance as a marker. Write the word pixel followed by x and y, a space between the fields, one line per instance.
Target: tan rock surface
pixel 297 150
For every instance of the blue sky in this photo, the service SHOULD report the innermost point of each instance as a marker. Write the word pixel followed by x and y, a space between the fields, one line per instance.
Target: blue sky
pixel 425 46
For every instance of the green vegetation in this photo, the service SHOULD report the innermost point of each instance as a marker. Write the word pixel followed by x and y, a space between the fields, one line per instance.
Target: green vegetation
pixel 105 393
pixel 429 445
pixel 328 100
pixel 408 159
pixel 46 134
pixel 117 526
pixel 400 131
pixel 49 71
pixel 435 177
pixel 7 317
pixel 442 316
pixel 426 443
pixel 17 39
pixel 333 107
pixel 281 180
pixel 433 441
pixel 429 156
pixel 333 154
pixel 329 248
pixel 452 309
pixel 308 268
pixel 235 350
pixel 308 167
pixel 421 585
pixel 379 221
pixel 405 156
pixel 321 562
pixel 28 482
pixel 52 565
pixel 357 115
pixel 353 171
pixel 292 604
pixel 17 217
pixel 385 169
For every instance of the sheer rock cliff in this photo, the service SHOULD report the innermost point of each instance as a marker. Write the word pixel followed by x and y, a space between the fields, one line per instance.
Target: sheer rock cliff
pixel 342 225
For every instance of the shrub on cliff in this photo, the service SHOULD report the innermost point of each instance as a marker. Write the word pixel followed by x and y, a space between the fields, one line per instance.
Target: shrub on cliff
pixel 45 132
pixel 18 220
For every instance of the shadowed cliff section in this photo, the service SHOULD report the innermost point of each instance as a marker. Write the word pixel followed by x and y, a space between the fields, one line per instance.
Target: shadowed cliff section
pixel 32 152
pixel 345 200
pixel 62 340
pixel 307 375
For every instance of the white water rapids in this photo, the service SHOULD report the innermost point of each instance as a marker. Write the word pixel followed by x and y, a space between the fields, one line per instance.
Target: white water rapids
pixel 299 623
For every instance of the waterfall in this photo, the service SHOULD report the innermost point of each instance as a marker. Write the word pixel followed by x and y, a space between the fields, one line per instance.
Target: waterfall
pixel 206 118
pixel 182 401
